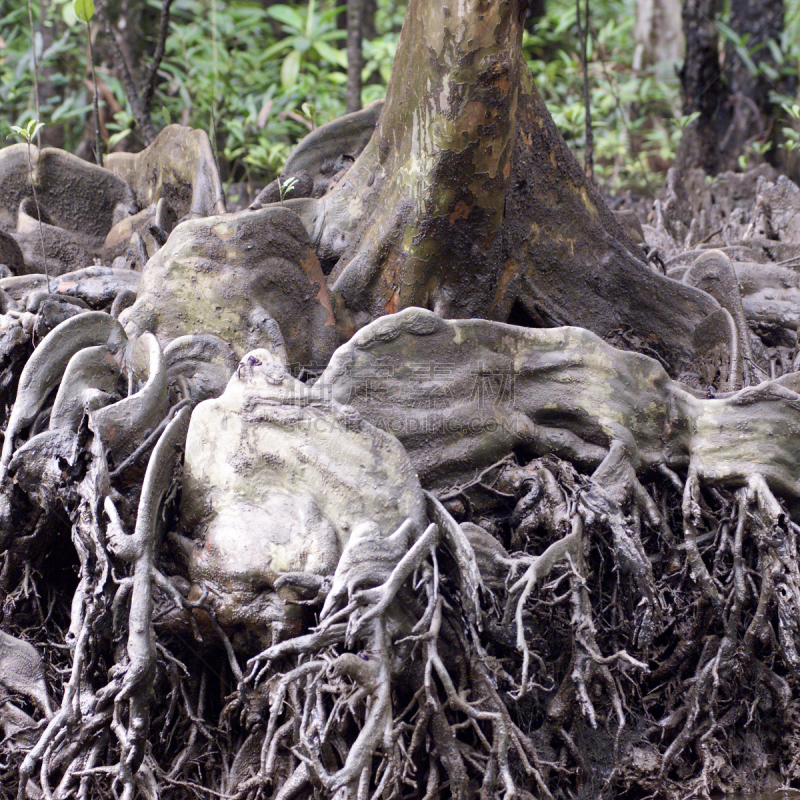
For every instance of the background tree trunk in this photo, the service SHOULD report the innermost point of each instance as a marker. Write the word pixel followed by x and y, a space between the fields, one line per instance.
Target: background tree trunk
pixel 468 202
pixel 701 86
pixel 355 59
pixel 51 135
pixel 748 113
pixel 658 35
pixel 536 10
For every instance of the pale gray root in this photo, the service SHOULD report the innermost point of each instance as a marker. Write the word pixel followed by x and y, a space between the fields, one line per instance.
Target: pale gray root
pixel 568 515
pixel 463 394
pixel 199 366
pixel 179 166
pixel 368 590
pixel 81 710
pixel 139 548
pixel 250 278
pixel 124 424
pixel 22 670
pixel 45 367
pixel 713 273
pixel 91 380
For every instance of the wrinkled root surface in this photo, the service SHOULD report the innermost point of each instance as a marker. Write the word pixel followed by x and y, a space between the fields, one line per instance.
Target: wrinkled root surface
pixel 584 649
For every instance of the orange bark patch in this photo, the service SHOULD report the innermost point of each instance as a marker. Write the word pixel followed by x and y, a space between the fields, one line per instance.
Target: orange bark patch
pixel 313 270
pixel 393 306
pixel 461 211
pixel 511 271
pixel 474 115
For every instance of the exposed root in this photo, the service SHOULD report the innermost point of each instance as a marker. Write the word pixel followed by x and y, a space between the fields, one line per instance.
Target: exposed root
pixel 639 637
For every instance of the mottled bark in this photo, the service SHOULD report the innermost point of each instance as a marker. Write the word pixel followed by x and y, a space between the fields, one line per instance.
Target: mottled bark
pixel 467 201
pixel 747 113
pixel 700 86
pixel 355 57
pixel 658 35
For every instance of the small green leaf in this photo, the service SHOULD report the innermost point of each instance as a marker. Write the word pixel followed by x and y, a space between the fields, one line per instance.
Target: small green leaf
pixel 288 16
pixel 165 112
pixel 84 10
pixel 118 137
pixel 34 126
pixel 331 54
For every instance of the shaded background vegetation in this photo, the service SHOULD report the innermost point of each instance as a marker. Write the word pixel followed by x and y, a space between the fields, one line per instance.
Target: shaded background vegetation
pixel 259 75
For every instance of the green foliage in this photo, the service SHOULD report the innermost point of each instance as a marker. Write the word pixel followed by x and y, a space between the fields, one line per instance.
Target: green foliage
pixel 264 69
pixel 68 103
pixel 28 133
pixel 636 115
pixel 122 126
pixel 286 186
pixel 307 39
pixel 84 10
pixel 753 155
pixel 791 132
pixel 267 76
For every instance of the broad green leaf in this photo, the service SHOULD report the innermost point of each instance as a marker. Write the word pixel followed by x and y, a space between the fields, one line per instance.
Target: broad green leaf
pixel 68 13
pixel 310 19
pixel 331 54
pixel 288 16
pixel 84 10
pixel 290 70
pixel 278 47
pixel 118 137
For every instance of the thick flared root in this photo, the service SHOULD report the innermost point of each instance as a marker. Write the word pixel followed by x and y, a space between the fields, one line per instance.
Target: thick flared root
pixel 568 262
pixel 278 481
pixel 426 196
pixel 467 201
pixel 98 287
pixel 61 213
pixel 46 366
pixel 77 196
pixel 463 394
pixel 332 147
pixel 447 655
pixel 178 167
pixel 55 202
pixel 250 278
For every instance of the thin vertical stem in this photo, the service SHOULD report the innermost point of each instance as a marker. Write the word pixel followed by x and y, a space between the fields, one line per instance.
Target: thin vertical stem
pixel 213 131
pixel 583 33
pixel 98 142
pixel 35 74
pixel 38 214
